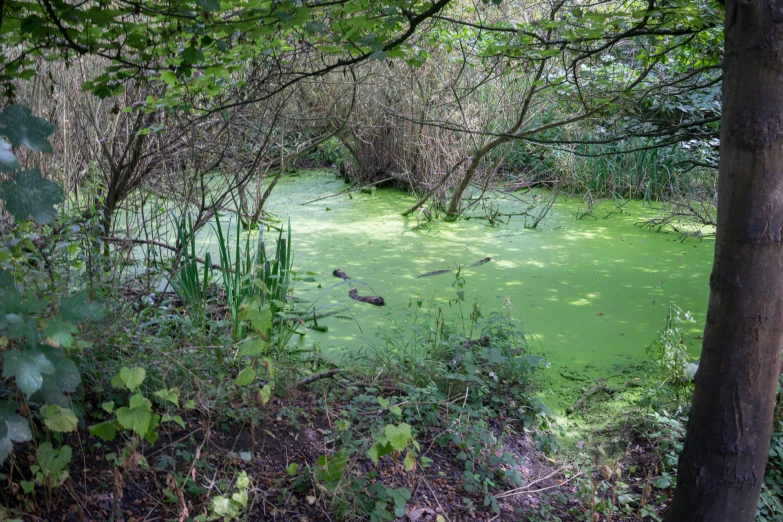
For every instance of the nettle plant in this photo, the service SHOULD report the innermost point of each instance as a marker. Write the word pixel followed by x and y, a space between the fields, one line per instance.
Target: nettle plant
pixel 36 331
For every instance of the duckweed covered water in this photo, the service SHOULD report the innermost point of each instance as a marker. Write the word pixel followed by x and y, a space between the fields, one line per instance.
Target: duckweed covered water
pixel 590 294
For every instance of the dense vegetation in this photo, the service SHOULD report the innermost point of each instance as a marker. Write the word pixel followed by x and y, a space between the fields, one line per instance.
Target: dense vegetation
pixel 134 369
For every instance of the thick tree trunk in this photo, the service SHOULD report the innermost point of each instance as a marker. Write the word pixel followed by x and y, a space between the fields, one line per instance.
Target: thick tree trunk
pixel 721 467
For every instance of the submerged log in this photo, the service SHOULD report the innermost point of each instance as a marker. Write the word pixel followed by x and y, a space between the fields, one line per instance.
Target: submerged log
pixel 436 272
pixel 482 261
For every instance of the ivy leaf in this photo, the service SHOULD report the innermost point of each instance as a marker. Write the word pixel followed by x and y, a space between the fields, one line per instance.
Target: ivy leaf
pixel 137 415
pixel 59 419
pixel 53 460
pixel 105 430
pixel 77 308
pixel 23 129
pixel 28 367
pixel 31 195
pixel 7 157
pixel 245 377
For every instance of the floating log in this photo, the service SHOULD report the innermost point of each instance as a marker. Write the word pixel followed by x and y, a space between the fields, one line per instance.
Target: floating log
pixel 342 275
pixel 370 299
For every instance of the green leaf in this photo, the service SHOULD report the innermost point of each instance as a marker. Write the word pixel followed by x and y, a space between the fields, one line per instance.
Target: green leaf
pixel 191 56
pixel 245 377
pixel 28 367
pixel 291 469
pixel 209 6
pixel 253 347
pixel 152 435
pixel 77 308
pixel 410 461
pixel 330 468
pixel 31 195
pixel 7 157
pixel 137 416
pixel 59 419
pixel 398 436
pixel 105 430
pixel 65 378
pixel 13 428
pixel 108 406
pixel 170 395
pixel 53 460
pixel 129 378
pixel 23 129
pixel 378 450
pixel 58 332
pixel 173 418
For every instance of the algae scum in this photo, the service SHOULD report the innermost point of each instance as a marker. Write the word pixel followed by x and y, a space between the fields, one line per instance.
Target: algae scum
pixel 589 294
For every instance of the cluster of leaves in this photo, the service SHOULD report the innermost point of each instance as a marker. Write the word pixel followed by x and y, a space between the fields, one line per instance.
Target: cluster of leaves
pixel 35 334
pixel 200 48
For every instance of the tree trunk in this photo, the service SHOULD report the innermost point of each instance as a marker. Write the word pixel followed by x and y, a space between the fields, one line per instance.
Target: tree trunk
pixel 721 467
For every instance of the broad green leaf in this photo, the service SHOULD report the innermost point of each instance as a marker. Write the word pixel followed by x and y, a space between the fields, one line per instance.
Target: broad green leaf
pixel 330 468
pixel 7 157
pixel 13 427
pixel 398 436
pixel 209 6
pixel 29 195
pixel 137 416
pixel 59 419
pixel 152 434
pixel 173 418
pixel 253 347
pixel 23 129
pixel 291 469
pixel 378 450
pixel 191 56
pixel 129 378
pixel 59 333
pixel 28 368
pixel 77 308
pixel 264 394
pixel 243 482
pixel 108 406
pixel 245 377
pixel 65 378
pixel 410 461
pixel 105 430
pixel 170 395
pixel 53 460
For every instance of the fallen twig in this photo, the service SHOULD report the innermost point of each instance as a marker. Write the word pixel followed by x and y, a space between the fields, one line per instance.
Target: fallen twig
pixel 318 376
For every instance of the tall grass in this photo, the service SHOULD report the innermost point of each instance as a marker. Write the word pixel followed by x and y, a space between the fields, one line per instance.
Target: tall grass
pixel 257 287
pixel 190 283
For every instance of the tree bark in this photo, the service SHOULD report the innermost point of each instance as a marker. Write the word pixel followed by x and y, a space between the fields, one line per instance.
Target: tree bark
pixel 721 467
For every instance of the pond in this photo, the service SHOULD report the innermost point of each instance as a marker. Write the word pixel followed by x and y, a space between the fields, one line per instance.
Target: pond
pixel 590 294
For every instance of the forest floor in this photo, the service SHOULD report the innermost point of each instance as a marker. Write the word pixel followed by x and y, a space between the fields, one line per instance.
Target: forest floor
pixel 181 475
